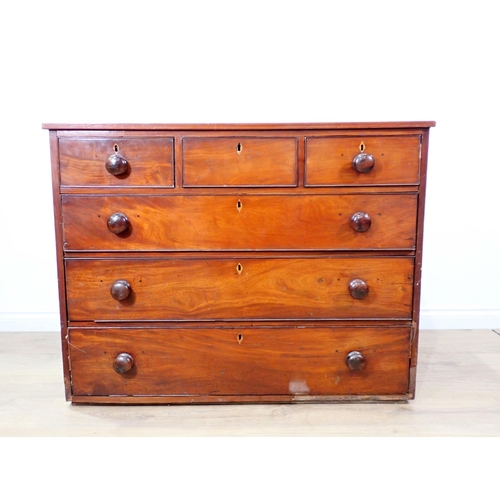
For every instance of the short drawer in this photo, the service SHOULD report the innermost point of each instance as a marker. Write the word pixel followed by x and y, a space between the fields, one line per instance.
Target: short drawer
pixel 239 361
pixel 330 160
pixel 124 162
pixel 247 222
pixel 239 161
pixel 267 288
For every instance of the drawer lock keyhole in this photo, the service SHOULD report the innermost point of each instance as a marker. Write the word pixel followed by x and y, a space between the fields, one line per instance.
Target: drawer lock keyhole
pixel 239 268
pixel 239 205
pixel 240 338
pixel 239 148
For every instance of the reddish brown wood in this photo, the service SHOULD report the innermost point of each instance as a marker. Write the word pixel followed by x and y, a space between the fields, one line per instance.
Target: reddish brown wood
pixel 258 239
pixel 54 157
pixel 418 264
pixel 271 222
pixel 329 160
pixel 238 399
pixel 267 288
pixel 239 161
pixel 207 361
pixel 86 161
pixel 332 126
pixel 349 322
pixel 216 191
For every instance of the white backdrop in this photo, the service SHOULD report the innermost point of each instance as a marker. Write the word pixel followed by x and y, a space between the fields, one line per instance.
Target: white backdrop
pixel 258 61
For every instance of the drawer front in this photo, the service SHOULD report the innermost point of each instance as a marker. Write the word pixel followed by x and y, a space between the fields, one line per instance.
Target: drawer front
pixel 239 161
pixel 232 289
pixel 240 361
pixel 329 160
pixel 149 162
pixel 273 222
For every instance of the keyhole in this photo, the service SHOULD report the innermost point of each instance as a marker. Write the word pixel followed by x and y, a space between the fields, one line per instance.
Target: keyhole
pixel 239 205
pixel 239 268
pixel 240 338
pixel 115 147
pixel 239 147
pixel 362 147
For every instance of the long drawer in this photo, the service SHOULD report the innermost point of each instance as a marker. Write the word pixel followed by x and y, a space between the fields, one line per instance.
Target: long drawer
pixel 246 222
pixel 239 289
pixel 239 361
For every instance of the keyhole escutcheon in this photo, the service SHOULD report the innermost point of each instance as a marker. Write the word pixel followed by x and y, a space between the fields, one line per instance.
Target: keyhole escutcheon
pixel 239 268
pixel 239 148
pixel 362 147
pixel 239 205
pixel 240 338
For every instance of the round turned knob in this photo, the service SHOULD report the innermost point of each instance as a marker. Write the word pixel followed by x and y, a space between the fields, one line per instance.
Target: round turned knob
pixel 120 290
pixel 123 363
pixel 361 222
pixel 363 163
pixel 355 361
pixel 358 289
pixel 116 164
pixel 117 223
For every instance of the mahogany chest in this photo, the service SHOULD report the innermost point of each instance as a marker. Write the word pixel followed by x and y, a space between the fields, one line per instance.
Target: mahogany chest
pixel 239 263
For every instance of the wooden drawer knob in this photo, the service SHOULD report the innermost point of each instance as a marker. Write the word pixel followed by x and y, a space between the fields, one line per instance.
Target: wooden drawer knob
pixel 361 222
pixel 120 290
pixel 358 289
pixel 355 361
pixel 116 164
pixel 363 163
pixel 123 363
pixel 118 223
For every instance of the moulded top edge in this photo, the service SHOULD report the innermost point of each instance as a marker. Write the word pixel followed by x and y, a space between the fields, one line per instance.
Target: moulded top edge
pixel 240 126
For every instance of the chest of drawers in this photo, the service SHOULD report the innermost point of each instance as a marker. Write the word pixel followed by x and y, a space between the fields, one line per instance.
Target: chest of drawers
pixel 239 263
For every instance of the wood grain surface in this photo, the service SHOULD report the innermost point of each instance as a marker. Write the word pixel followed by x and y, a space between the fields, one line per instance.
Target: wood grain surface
pixel 329 160
pixel 258 361
pixel 239 161
pixel 82 161
pixel 267 288
pixel 246 222
pixel 196 127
